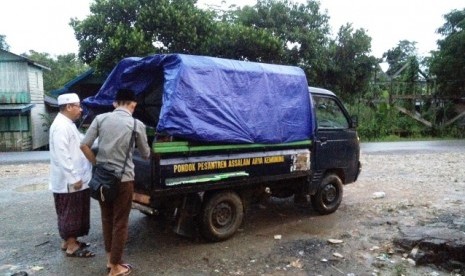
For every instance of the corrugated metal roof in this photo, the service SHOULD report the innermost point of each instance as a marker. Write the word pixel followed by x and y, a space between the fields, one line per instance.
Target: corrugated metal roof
pixel 25 59
pixel 15 109
pixel 68 85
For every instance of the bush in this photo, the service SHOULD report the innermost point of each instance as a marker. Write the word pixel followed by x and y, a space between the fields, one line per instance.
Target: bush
pixel 381 122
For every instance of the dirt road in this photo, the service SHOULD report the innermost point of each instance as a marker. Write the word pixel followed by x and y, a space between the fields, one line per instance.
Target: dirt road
pixel 400 188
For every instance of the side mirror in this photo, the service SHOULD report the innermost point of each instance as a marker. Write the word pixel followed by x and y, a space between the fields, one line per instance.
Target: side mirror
pixel 354 119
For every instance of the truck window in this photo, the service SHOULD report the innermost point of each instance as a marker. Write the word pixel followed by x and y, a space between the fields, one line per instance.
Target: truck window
pixel 329 114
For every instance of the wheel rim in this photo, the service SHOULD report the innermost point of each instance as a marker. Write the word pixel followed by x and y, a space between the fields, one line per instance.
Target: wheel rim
pixel 223 215
pixel 330 194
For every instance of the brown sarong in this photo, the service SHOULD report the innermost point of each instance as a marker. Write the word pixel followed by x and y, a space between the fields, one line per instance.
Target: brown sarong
pixel 73 211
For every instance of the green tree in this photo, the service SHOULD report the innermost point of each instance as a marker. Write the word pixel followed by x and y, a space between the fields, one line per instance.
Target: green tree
pixel 350 65
pixel 63 68
pixel 120 28
pixel 237 41
pixel 3 44
pixel 302 28
pixel 272 31
pixel 448 63
pixel 404 68
pixel 400 56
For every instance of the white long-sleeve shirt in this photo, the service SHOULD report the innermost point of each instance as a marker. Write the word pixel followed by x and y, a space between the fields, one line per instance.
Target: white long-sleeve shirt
pixel 68 164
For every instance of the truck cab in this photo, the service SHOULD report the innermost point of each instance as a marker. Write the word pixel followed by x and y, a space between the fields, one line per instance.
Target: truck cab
pixel 336 151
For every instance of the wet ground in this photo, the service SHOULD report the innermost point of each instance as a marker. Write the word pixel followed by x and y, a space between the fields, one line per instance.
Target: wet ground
pixel 420 186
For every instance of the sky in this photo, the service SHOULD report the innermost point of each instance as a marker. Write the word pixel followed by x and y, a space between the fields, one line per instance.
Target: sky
pixel 43 26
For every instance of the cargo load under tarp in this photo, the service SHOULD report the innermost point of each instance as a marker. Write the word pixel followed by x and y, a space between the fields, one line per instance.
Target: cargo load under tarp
pixel 216 100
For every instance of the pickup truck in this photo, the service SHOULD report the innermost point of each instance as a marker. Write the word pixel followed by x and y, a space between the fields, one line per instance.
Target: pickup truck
pixel 204 175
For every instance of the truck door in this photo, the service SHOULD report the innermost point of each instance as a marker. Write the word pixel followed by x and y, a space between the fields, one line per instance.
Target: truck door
pixel 336 141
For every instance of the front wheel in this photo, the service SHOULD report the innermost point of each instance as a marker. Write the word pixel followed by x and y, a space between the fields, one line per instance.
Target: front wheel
pixel 328 196
pixel 222 214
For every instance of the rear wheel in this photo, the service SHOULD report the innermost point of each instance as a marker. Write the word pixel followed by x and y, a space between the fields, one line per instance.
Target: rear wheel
pixel 329 195
pixel 222 214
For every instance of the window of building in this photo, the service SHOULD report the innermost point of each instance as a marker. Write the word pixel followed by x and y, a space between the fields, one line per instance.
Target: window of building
pixel 14 123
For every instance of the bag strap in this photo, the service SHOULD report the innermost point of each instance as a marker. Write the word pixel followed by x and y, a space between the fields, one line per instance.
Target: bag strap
pixel 133 136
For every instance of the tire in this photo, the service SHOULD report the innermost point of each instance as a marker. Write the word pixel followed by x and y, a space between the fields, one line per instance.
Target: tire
pixel 329 196
pixel 221 216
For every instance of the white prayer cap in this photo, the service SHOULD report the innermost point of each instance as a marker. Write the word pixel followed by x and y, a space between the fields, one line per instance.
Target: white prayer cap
pixel 68 98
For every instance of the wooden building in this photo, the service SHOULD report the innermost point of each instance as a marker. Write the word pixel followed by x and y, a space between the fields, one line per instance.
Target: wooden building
pixel 22 107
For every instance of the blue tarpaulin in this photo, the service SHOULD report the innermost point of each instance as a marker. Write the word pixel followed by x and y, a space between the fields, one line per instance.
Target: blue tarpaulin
pixel 215 100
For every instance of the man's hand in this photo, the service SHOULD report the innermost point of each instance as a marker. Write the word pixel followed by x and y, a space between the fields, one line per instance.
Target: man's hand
pixel 78 185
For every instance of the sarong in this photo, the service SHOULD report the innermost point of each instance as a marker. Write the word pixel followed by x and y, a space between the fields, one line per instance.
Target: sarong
pixel 73 211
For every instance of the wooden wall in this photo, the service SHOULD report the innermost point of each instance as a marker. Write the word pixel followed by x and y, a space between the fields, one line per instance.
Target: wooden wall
pixel 36 87
pixel 15 141
pixel 13 77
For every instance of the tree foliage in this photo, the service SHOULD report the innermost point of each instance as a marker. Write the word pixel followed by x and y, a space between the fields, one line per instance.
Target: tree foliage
pixel 448 63
pixel 3 44
pixel 241 42
pixel 350 65
pixel 272 31
pixel 63 68
pixel 120 28
pixel 400 56
pixel 302 29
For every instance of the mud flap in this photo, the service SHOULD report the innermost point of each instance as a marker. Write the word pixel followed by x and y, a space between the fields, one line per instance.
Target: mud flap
pixel 185 216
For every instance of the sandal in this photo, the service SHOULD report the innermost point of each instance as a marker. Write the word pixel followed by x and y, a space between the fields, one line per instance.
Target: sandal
pixel 81 253
pixel 127 272
pixel 128 266
pixel 81 245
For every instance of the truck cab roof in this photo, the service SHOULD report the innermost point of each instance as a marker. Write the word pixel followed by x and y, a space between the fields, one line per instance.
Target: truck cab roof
pixel 317 90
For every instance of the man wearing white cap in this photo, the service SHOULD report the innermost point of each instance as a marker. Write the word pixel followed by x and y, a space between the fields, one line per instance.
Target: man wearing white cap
pixel 69 174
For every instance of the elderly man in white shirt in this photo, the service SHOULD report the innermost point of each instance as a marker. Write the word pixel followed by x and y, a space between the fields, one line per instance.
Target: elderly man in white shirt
pixel 70 173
